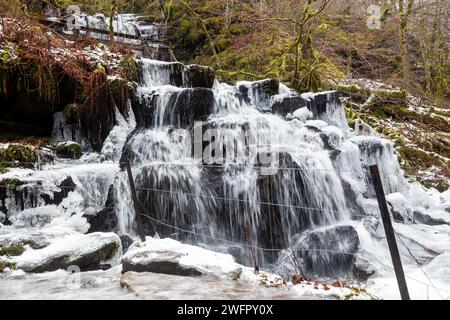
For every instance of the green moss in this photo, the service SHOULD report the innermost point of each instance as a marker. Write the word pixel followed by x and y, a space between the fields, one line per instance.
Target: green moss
pixel 69 150
pixel 10 250
pixel 129 69
pixel 18 155
pixel 68 112
pixel 10 182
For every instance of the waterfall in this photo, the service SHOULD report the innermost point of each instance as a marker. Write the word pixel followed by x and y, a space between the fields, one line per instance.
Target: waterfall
pixel 273 177
pixel 309 185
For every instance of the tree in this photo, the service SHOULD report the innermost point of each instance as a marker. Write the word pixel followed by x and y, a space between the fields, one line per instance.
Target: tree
pixel 404 13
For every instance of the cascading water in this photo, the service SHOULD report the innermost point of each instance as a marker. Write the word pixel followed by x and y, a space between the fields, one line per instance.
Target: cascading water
pixel 230 199
pixel 275 178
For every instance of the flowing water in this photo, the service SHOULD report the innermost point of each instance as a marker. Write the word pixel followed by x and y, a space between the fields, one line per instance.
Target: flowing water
pixel 275 178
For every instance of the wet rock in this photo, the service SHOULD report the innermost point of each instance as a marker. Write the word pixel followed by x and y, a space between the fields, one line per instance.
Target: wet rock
pixel 68 150
pixel 288 105
pixel 126 242
pixel 329 252
pixel 191 105
pixel 44 155
pixel 361 274
pixel 258 91
pixel 66 186
pixel 422 217
pixel 200 76
pixel 182 108
pixel 106 219
pixel 66 127
pixel 351 200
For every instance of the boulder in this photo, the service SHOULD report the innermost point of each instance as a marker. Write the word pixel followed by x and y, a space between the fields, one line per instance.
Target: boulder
pixel 167 262
pixel 180 107
pixel 288 104
pixel 191 105
pixel 328 252
pixel 422 217
pixel 200 76
pixel 258 91
pixel 106 219
pixel 69 150
pixel 169 256
pixel 88 252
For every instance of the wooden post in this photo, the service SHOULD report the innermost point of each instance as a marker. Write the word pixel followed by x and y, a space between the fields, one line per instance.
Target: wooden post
pixel 388 229
pixel 135 202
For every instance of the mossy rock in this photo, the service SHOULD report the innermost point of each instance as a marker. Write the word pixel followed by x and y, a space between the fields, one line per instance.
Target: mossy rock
pixel 7 264
pixel 11 250
pixel 68 150
pixel 129 69
pixel 18 155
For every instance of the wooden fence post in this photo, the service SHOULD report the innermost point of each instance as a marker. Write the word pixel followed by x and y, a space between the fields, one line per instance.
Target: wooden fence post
pixel 388 229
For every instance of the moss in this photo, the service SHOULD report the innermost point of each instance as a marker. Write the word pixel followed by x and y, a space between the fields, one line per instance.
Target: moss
pixel 10 182
pixel 68 112
pixel 10 250
pixel 129 69
pixel 416 158
pixel 101 69
pixel 3 169
pixel 7 264
pixel 18 155
pixel 69 150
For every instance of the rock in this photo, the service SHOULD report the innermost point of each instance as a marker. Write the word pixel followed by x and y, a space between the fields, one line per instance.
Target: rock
pixel 302 114
pixel 351 200
pixel 166 262
pixel 288 105
pixel 12 249
pixel 328 252
pixel 88 252
pixel 200 76
pixel 106 219
pixel 258 91
pixel 126 242
pixel 36 240
pixel 181 108
pixel 421 217
pixel 191 105
pixel 67 128
pixel 69 149
pixel 44 155
pixel 169 256
pixel 66 186
pixel 18 155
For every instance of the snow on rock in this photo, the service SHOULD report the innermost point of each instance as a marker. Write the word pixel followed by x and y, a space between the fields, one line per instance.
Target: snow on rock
pixel 86 251
pixel 319 124
pixel 172 257
pixel 435 239
pixel 302 114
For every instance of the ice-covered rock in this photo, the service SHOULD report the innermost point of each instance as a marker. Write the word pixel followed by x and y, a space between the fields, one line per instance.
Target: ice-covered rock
pixel 85 251
pixel 302 114
pixel 172 257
